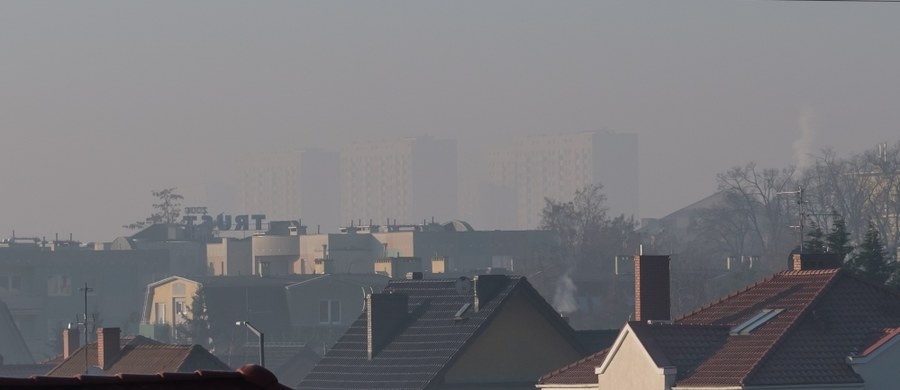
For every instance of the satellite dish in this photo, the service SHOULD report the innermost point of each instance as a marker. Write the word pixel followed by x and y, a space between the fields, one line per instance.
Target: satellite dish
pixel 463 285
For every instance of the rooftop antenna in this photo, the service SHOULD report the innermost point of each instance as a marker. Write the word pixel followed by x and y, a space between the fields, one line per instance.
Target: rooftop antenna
pixel 801 211
pixel 86 290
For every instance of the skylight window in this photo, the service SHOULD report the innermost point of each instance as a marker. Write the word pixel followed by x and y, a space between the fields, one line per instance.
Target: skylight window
pixel 754 322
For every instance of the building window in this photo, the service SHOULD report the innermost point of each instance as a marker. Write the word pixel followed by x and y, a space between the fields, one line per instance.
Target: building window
pixel 10 284
pixel 59 286
pixel 178 289
pixel 160 313
pixel 180 310
pixel 329 311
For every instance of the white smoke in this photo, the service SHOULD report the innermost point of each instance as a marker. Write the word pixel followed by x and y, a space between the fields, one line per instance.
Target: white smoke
pixel 803 146
pixel 564 297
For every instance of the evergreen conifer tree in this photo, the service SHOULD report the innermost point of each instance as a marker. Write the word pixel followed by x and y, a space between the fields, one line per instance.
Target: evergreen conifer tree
pixel 838 239
pixel 198 326
pixel 814 240
pixel 871 261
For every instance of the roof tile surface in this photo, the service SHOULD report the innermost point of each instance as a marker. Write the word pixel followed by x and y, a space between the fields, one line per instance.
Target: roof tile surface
pixel 431 339
pixel 827 316
pixel 579 372
pixel 143 356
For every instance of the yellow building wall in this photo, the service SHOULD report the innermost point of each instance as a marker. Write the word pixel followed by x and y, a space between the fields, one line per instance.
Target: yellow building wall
pixel 520 345
pixel 632 368
pixel 398 243
pixel 164 293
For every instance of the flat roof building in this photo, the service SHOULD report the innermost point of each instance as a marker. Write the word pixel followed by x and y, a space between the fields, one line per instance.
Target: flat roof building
pixel 404 180
pixel 293 184
pixel 556 166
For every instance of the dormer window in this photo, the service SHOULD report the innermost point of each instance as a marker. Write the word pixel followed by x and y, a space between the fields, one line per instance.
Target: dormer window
pixel 754 322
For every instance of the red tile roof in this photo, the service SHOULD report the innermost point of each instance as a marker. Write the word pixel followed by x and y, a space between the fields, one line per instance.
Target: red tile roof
pixel 741 356
pixel 827 316
pixel 249 377
pixel 143 356
pixel 579 372
pixel 882 338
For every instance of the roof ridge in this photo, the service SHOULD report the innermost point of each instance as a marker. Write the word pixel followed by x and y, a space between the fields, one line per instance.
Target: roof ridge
pixel 759 282
pixel 727 297
pixel 793 325
pixel 685 326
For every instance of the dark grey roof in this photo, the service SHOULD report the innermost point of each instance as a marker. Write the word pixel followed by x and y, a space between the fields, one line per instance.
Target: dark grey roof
pixel 418 355
pixel 12 346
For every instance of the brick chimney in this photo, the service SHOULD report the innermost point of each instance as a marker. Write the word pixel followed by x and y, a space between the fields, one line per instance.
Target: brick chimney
pixel 71 341
pixel 385 314
pixel 107 346
pixel 809 261
pixel 651 288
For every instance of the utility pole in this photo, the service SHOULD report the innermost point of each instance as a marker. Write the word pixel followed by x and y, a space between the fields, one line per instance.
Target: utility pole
pixel 86 290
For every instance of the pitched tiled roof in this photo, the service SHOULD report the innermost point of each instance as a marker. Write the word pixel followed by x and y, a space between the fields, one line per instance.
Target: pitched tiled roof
pixel 579 372
pixel 76 363
pixel 12 345
pixel 149 358
pixel 827 316
pixel 733 364
pixel 879 339
pixel 428 344
pixel 681 346
pixel 140 356
pixel 249 377
pixel 842 322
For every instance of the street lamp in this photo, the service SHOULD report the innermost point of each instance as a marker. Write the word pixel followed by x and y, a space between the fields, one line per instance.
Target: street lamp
pixel 262 343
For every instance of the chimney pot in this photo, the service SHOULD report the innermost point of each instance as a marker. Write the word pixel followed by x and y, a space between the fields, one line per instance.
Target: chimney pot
pixel 651 288
pixel 71 341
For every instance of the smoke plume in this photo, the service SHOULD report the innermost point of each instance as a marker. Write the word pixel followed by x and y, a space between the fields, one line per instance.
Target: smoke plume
pixel 803 146
pixel 564 296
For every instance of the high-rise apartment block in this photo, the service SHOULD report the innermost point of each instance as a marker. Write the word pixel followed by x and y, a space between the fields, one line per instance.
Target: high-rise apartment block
pixel 405 180
pixel 301 184
pixel 556 166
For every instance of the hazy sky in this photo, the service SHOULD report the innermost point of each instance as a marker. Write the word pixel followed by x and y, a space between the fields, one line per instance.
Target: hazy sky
pixel 102 102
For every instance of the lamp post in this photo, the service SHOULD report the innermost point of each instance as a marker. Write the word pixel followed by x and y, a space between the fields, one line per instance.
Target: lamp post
pixel 262 342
